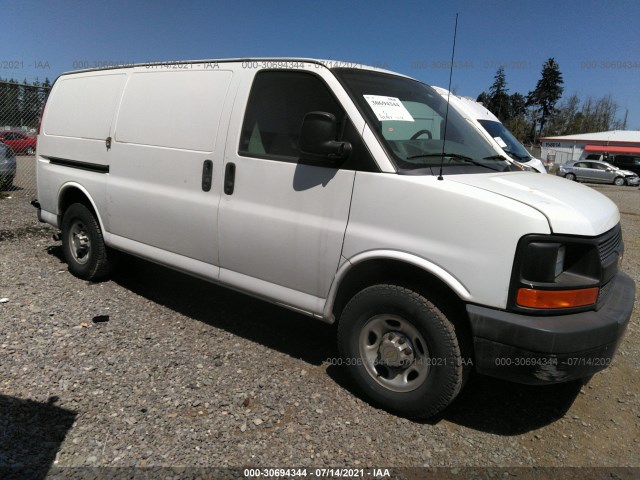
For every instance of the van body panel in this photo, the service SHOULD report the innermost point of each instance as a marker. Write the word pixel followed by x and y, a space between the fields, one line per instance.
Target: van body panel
pixel 196 268
pixel 293 214
pixel 290 298
pixel 76 122
pixel 83 106
pixel 570 207
pixel 157 158
pixel 408 218
pixel 173 109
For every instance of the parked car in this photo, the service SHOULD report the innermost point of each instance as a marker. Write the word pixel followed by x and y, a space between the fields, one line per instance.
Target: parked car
pixel 597 172
pixel 7 166
pixel 621 160
pixel 336 192
pixel 21 143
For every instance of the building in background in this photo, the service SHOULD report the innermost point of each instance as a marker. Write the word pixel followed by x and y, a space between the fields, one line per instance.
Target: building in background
pixel 559 150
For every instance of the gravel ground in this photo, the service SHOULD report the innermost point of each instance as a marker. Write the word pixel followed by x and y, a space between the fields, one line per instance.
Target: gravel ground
pixel 154 368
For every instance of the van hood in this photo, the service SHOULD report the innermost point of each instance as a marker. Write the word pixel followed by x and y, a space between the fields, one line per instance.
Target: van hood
pixel 570 208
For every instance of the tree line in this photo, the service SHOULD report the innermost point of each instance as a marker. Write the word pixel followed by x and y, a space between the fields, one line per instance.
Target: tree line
pixel 541 113
pixel 20 103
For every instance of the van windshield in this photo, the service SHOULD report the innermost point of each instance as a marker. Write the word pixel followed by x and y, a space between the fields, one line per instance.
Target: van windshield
pixel 408 117
pixel 506 140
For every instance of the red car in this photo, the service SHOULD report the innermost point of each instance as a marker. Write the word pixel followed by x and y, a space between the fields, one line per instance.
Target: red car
pixel 19 142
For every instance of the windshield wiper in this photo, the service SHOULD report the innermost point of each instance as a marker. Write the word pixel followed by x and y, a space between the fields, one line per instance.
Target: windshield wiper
pixel 453 155
pixel 519 157
pixel 495 157
pixel 443 154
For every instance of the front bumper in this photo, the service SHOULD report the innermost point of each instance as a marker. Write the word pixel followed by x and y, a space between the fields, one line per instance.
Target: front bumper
pixel 632 181
pixel 551 349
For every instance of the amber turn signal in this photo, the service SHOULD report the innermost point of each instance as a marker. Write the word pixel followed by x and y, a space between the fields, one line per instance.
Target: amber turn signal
pixel 531 298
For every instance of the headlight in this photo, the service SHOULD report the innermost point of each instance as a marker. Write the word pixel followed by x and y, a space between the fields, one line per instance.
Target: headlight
pixel 555 272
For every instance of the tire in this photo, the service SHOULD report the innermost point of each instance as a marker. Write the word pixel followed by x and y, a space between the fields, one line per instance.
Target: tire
pixel 6 183
pixel 619 181
pixel 374 331
pixel 30 151
pixel 570 176
pixel 83 245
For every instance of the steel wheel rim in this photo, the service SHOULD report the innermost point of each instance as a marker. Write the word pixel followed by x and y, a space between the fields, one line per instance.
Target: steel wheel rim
pixel 79 242
pixel 376 340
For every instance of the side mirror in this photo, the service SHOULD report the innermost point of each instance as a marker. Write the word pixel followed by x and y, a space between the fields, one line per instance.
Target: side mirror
pixel 318 137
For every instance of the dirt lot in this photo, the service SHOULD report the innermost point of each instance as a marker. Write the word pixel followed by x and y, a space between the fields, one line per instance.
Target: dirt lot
pixel 153 368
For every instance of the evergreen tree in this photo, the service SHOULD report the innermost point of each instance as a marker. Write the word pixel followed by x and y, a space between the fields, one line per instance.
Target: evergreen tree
pixel 546 94
pixel 483 98
pixel 30 103
pixel 499 103
pixel 517 123
pixel 9 102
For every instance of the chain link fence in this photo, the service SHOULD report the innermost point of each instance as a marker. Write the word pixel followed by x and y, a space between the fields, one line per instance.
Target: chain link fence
pixel 20 107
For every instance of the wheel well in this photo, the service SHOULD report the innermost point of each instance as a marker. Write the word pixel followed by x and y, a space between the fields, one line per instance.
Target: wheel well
pixel 373 272
pixel 70 196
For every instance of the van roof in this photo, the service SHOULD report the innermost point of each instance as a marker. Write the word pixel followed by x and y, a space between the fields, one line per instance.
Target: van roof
pixel 330 64
pixel 475 109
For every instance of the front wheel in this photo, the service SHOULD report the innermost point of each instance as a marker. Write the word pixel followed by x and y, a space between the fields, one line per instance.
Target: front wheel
pixel 6 183
pixel 82 243
pixel 400 350
pixel 619 181
pixel 570 176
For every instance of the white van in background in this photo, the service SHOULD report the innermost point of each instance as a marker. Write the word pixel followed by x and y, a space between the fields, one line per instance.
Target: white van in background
pixel 330 189
pixel 493 129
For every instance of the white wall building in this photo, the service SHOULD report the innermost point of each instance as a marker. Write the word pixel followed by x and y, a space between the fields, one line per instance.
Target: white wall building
pixel 568 148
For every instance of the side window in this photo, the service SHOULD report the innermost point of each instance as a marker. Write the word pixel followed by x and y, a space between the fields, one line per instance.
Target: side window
pixel 277 105
pixel 627 160
pixel 580 165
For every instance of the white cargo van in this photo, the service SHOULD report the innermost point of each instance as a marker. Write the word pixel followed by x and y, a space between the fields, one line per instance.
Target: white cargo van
pixel 495 131
pixel 348 194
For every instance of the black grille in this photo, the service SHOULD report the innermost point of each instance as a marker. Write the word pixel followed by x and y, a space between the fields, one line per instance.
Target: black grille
pixel 603 294
pixel 609 244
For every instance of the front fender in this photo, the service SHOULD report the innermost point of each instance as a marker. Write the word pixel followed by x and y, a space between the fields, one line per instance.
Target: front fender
pixel 447 278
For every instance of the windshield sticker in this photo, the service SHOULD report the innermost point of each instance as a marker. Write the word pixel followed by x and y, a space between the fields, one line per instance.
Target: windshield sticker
pixel 501 142
pixel 388 108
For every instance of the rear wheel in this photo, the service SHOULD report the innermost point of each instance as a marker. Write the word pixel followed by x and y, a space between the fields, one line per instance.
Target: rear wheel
pixel 400 350
pixel 570 176
pixel 619 181
pixel 83 245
